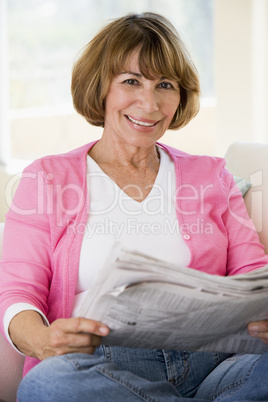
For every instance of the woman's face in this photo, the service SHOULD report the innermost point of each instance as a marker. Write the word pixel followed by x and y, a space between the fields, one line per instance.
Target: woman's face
pixel 138 111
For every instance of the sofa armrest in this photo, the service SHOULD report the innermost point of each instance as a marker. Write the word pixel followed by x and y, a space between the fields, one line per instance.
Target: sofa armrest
pixel 11 367
pixel 250 160
pixel 11 362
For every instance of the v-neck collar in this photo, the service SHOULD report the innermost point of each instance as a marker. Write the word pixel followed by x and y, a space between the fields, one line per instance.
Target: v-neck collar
pixel 91 161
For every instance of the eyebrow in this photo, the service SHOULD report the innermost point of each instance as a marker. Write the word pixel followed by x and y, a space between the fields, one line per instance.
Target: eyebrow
pixel 132 73
pixel 140 75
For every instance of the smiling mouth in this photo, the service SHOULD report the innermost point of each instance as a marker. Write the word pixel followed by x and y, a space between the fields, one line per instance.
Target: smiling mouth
pixel 141 123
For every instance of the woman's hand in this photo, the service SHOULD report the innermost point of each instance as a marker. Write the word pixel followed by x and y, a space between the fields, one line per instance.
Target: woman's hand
pixel 259 329
pixel 72 335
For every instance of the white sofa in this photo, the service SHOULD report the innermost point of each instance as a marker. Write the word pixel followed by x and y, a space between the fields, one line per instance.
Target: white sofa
pixel 248 160
pixel 11 362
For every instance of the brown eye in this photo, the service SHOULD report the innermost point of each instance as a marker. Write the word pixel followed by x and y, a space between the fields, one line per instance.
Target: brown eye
pixel 131 81
pixel 166 85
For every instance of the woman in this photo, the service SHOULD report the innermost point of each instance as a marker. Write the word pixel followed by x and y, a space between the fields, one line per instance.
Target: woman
pixel 136 79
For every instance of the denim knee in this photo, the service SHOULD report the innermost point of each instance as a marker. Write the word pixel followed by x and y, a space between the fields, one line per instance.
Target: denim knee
pixel 86 378
pixel 51 379
pixel 239 378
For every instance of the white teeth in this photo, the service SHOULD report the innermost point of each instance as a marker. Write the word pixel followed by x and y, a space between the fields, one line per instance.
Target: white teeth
pixel 141 123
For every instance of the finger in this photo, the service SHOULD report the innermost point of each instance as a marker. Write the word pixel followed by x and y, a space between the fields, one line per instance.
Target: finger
pixel 91 326
pixel 79 324
pixel 71 343
pixel 48 352
pixel 82 340
pixel 87 349
pixel 59 339
pixel 260 334
pixel 258 325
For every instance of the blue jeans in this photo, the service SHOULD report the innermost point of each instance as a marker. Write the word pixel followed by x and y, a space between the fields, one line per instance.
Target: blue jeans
pixel 123 374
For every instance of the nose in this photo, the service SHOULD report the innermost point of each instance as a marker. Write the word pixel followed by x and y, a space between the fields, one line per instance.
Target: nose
pixel 148 100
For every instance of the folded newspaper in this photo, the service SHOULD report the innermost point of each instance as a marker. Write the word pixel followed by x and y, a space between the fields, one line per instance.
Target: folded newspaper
pixel 149 303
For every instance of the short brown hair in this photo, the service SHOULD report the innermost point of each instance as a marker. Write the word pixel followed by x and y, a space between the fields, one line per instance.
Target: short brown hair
pixel 161 53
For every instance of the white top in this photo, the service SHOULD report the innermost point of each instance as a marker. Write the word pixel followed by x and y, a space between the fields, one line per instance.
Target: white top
pixel 150 226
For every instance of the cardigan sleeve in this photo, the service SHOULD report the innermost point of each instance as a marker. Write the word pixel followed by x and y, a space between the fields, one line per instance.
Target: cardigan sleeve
pixel 245 252
pixel 26 262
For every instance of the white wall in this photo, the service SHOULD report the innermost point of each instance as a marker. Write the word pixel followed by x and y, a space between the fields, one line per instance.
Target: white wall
pixel 241 71
pixel 4 92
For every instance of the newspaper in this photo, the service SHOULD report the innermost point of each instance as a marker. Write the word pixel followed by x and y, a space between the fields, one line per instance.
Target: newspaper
pixel 149 303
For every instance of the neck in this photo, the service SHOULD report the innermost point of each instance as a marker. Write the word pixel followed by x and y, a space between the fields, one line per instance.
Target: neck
pixel 107 151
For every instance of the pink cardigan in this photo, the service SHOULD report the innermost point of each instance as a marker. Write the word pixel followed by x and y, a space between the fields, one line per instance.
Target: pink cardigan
pixel 42 239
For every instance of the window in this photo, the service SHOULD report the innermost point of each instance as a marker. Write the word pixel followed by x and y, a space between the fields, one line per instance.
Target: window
pixel 42 39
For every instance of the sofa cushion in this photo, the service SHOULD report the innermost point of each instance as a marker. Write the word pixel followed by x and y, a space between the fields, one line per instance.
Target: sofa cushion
pixel 242 184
